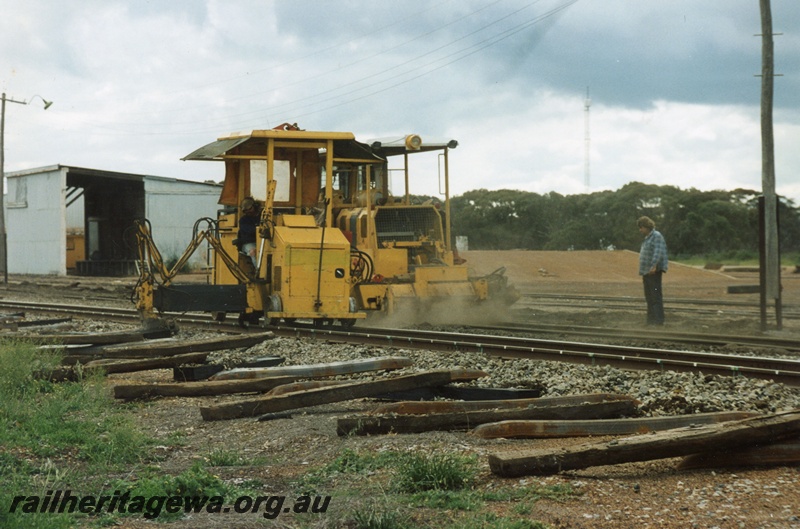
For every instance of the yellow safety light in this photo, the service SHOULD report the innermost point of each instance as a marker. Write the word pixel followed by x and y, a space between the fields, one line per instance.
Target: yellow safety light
pixel 413 142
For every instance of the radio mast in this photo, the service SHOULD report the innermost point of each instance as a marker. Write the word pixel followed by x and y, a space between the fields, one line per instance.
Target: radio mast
pixel 586 139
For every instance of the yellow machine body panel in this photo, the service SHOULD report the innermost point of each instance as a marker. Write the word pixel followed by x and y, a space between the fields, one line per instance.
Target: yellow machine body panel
pixel 372 296
pixel 391 262
pixel 298 221
pixel 442 281
pixel 227 233
pixel 402 296
pixel 310 269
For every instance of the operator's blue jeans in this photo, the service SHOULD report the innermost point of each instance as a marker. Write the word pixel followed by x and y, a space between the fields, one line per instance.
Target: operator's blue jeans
pixel 653 295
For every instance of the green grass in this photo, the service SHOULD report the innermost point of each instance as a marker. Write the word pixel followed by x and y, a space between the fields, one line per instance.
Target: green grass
pixel 226 458
pixel 349 462
pixel 430 490
pixel 422 472
pixel 50 419
pixel 55 435
pixel 450 500
pixel 411 472
pixel 197 481
pixel 369 518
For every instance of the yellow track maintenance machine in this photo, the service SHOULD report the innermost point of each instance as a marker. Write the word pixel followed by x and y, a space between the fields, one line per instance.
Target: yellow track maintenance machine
pixel 332 242
pixel 405 262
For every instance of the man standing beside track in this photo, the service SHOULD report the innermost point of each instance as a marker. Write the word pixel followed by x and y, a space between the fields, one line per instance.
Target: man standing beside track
pixel 652 265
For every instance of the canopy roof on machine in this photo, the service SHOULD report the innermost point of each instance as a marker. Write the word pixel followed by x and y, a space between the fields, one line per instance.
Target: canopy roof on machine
pixel 345 144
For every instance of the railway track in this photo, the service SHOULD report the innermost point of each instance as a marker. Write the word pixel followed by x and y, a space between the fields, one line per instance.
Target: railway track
pixel 784 370
pixel 124 315
pixel 684 305
pixel 702 339
pixel 82 311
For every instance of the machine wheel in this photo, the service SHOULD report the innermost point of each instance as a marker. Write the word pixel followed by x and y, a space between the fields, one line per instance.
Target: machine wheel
pixel 246 319
pixel 219 316
pixel 322 322
pixel 275 305
pixel 289 321
pixel 347 323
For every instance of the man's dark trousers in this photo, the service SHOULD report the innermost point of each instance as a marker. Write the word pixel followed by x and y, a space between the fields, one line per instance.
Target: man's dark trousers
pixel 654 297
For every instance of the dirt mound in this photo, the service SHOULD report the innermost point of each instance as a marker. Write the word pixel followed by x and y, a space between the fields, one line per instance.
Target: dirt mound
pixel 570 270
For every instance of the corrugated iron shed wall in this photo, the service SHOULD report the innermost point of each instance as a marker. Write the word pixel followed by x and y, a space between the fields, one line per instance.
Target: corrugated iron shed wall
pixel 36 222
pixel 172 207
pixel 37 205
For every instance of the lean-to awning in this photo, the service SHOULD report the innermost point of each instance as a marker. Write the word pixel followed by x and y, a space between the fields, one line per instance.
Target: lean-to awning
pixel 214 151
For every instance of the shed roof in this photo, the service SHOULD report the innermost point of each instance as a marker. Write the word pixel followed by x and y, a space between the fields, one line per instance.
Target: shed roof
pixel 80 173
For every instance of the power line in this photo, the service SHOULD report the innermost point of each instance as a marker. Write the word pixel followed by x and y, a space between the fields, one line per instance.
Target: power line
pixel 306 105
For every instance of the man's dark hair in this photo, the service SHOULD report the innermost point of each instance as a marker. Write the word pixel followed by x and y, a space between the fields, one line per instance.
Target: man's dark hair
pixel 646 222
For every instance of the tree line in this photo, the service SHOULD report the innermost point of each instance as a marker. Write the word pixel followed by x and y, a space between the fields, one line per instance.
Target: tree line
pixel 695 223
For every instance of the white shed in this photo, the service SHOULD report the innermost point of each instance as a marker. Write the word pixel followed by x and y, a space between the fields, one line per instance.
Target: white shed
pixel 62 219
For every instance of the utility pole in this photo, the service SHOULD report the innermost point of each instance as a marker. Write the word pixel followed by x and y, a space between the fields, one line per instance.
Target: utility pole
pixel 770 259
pixel 3 234
pixel 3 238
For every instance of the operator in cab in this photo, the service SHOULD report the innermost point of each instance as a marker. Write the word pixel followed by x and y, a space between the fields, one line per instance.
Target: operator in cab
pixel 248 228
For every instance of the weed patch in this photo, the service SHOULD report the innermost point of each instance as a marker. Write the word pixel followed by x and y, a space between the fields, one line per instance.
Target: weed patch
pixel 225 458
pixel 419 472
pixel 464 500
pixel 349 462
pixel 370 518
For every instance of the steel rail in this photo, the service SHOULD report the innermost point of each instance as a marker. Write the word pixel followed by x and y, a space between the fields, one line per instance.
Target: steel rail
pixel 634 299
pixel 120 315
pixel 709 339
pixel 668 309
pixel 625 302
pixel 782 370
pixel 78 310
pixel 786 371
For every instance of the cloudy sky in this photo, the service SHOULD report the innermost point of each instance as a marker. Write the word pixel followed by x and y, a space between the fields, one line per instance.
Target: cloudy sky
pixel 137 85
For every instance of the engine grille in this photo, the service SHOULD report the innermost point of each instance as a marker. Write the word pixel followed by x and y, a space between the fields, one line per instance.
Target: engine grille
pixel 407 224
